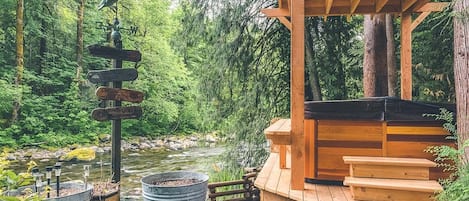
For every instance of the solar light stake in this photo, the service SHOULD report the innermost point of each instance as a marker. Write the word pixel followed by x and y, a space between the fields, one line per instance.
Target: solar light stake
pixel 39 182
pixel 57 174
pixel 35 173
pixel 48 177
pixel 86 174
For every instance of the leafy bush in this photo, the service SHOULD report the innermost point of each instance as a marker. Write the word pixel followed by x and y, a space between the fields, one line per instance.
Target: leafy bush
pixel 451 159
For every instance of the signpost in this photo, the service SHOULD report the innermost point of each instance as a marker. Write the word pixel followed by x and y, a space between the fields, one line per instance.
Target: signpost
pixel 112 75
pixel 116 113
pixel 114 53
pixel 106 93
pixel 116 76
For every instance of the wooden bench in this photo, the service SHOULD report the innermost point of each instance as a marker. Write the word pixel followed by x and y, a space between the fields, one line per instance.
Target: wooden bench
pixel 392 189
pixel 387 167
pixel 279 132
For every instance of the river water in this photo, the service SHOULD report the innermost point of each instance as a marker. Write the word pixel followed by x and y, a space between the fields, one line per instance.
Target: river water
pixel 135 165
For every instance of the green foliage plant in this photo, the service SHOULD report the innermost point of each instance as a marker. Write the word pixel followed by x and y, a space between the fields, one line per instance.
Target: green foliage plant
pixel 10 180
pixel 451 159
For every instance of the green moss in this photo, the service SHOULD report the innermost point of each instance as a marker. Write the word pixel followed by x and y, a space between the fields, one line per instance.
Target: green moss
pixel 81 154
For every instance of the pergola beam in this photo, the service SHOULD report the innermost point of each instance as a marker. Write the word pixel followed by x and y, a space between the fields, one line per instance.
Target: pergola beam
pixel 354 5
pixel 276 12
pixel 419 20
pixel 380 4
pixel 432 7
pixel 406 4
pixel 285 22
pixel 328 6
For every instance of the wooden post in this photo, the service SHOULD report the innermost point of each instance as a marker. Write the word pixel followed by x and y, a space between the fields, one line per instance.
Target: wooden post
pixel 406 56
pixel 297 79
pixel 116 124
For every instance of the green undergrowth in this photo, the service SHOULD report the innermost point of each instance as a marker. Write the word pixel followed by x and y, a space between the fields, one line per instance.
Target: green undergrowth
pixel 451 159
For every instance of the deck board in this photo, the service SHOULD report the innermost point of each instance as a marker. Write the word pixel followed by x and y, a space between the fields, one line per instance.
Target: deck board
pixel 277 181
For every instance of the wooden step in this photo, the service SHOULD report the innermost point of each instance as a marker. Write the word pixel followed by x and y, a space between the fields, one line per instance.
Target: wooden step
pixel 392 189
pixel 387 167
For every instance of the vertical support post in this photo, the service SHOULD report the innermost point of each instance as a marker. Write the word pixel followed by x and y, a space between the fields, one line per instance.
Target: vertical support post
pixel 297 80
pixel 406 56
pixel 116 124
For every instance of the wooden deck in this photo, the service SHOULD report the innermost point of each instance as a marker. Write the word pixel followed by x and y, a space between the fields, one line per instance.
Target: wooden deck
pixel 274 184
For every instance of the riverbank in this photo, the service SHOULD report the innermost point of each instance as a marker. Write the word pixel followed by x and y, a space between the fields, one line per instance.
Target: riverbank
pixel 170 143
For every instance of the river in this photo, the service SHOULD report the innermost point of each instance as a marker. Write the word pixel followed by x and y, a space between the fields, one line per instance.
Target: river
pixel 135 165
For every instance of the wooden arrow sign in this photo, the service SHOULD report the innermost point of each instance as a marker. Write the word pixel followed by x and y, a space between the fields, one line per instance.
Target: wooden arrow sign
pixel 114 53
pixel 115 113
pixel 113 75
pixel 106 93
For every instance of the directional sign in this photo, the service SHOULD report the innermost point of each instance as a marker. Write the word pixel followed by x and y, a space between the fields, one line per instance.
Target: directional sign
pixel 106 93
pixel 115 113
pixel 113 75
pixel 114 53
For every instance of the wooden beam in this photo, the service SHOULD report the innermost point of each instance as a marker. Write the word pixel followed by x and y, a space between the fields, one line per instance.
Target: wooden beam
pixel 419 20
pixel 353 5
pixel 380 4
pixel 328 6
pixel 275 12
pixel 297 79
pixel 406 4
pixel 406 56
pixel 418 5
pixel 285 22
pixel 433 7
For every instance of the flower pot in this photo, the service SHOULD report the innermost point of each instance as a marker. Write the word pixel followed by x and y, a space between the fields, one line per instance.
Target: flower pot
pixel 175 186
pixel 81 194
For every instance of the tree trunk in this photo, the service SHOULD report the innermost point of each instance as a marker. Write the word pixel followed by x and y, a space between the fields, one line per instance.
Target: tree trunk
pixel 80 14
pixel 461 70
pixel 391 56
pixel 374 64
pixel 311 69
pixel 19 59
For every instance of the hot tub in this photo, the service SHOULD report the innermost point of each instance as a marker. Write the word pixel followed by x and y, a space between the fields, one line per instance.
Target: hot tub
pixel 381 126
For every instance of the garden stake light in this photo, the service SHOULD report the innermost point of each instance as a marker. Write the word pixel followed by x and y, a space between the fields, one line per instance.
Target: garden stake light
pixel 86 174
pixel 35 173
pixel 48 177
pixel 39 183
pixel 57 175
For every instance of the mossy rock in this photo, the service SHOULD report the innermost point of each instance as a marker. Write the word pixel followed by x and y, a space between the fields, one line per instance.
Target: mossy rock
pixel 80 154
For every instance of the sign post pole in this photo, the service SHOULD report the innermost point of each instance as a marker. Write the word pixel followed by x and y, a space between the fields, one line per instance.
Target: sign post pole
pixel 116 124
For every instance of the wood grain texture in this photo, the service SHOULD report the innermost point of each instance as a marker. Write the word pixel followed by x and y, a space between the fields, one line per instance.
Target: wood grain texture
pixel 310 149
pixel 115 113
pixel 406 56
pixel 297 90
pixel 428 186
pixel 390 172
pixel 279 132
pixel 388 161
pixel 417 130
pixel 107 93
pixel 349 130
pixel 263 175
pixel 362 193
pixel 114 53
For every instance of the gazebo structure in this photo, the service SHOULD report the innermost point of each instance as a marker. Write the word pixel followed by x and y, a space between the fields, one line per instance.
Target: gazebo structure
pixel 299 135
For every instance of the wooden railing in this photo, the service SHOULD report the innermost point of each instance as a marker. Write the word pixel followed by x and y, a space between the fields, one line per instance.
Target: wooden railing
pixel 238 190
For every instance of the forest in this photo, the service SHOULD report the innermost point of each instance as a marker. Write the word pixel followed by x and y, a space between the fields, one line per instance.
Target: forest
pixel 206 66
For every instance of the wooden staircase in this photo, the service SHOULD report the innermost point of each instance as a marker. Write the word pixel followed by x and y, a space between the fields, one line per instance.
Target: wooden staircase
pixel 390 179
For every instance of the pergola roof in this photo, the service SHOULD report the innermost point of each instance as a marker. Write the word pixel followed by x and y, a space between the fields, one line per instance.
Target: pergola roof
pixel 352 7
